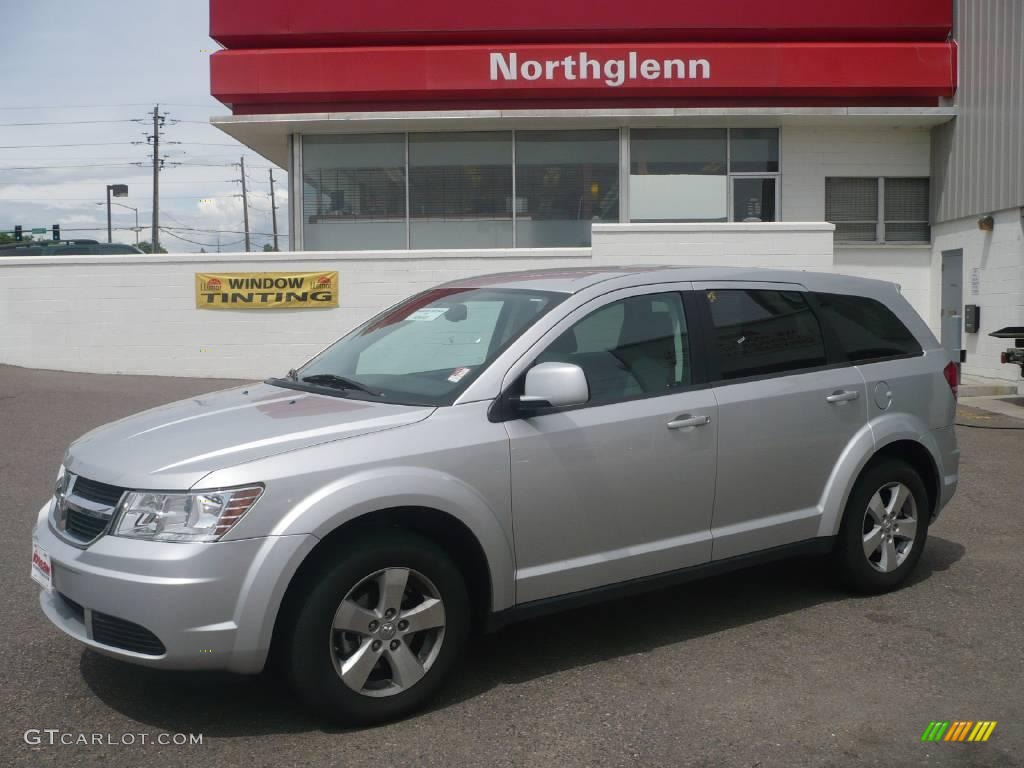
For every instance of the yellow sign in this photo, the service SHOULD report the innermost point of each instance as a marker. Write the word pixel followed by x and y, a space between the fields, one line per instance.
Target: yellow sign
pixel 266 290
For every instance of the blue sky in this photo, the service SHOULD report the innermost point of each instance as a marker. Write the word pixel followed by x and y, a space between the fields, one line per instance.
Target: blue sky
pixel 68 61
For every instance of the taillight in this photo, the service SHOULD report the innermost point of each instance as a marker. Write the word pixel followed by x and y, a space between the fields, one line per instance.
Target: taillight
pixel 952 375
pixel 1004 357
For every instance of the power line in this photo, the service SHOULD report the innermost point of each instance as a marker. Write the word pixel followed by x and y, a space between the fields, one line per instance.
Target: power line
pixel 55 146
pixel 167 231
pixel 130 177
pixel 61 167
pixel 19 198
pixel 108 106
pixel 220 231
pixel 115 143
pixel 76 122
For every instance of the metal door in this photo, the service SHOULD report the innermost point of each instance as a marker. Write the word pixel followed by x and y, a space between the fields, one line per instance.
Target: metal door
pixel 952 302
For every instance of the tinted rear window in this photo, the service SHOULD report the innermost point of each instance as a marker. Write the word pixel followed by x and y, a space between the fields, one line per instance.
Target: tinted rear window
pixel 758 333
pixel 867 329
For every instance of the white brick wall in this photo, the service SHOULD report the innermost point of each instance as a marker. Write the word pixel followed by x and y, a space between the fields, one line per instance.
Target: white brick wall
pixel 809 155
pixel 999 258
pixel 136 314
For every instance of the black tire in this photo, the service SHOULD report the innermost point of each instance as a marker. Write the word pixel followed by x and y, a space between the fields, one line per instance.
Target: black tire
pixel 853 565
pixel 307 658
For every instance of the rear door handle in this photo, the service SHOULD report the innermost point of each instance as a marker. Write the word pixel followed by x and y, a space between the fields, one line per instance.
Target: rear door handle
pixel 689 421
pixel 842 397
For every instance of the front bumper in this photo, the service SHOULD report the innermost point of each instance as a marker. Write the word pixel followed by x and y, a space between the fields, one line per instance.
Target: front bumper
pixel 211 606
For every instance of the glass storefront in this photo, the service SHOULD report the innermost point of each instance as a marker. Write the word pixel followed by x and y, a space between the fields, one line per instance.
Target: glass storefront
pixel 353 195
pixel 460 190
pixel 528 189
pixel 565 181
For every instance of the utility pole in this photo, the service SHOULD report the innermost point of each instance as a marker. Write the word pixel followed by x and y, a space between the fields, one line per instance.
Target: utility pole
pixel 273 207
pixel 245 205
pixel 110 234
pixel 158 121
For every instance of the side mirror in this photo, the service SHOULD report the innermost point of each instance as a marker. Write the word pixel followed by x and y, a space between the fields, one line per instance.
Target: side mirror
pixel 555 385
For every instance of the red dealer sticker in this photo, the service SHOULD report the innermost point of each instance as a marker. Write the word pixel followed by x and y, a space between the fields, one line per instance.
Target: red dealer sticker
pixel 669 73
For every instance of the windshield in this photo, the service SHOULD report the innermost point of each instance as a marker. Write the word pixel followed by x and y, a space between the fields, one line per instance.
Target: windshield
pixel 426 350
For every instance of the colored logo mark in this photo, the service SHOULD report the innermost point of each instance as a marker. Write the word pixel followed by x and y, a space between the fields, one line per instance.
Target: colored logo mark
pixel 958 730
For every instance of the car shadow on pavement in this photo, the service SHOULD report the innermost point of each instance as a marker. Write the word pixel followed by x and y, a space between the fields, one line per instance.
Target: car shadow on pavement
pixel 225 705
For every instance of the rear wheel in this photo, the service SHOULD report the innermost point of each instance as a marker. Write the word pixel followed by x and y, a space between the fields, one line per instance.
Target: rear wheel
pixel 884 527
pixel 380 630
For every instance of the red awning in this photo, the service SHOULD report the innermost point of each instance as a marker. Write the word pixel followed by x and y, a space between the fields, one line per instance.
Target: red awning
pixel 673 74
pixel 301 23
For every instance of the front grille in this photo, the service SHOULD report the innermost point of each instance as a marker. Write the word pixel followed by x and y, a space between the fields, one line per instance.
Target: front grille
pixel 76 608
pixel 118 633
pixel 84 527
pixel 100 493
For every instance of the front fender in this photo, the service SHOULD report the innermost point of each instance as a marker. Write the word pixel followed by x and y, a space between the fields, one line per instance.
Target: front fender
pixel 371 490
pixel 873 437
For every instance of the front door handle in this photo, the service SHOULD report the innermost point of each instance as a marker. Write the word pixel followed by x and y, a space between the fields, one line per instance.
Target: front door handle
pixel 689 421
pixel 842 397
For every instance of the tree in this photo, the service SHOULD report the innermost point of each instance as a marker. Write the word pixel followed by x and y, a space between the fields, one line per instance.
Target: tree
pixel 146 247
pixel 6 239
pixel 270 248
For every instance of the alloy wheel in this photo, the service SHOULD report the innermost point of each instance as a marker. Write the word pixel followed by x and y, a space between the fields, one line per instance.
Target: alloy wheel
pixel 889 527
pixel 387 632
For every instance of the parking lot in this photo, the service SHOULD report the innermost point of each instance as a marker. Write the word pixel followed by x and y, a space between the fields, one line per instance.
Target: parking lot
pixel 769 667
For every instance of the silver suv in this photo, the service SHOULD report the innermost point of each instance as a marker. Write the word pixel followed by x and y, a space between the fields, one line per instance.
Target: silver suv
pixel 496 448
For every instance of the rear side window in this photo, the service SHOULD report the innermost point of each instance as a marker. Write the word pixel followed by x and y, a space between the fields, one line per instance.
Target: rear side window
pixel 758 333
pixel 867 329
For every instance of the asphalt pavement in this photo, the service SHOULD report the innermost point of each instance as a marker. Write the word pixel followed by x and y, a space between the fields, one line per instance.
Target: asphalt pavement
pixel 773 666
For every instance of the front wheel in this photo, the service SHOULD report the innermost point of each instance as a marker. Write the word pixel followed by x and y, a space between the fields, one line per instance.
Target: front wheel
pixel 884 529
pixel 380 630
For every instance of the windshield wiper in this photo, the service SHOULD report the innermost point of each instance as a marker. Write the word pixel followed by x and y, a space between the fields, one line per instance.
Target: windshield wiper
pixel 338 382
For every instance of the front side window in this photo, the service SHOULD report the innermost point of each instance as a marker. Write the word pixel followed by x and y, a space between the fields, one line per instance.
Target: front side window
pixel 760 333
pixel 634 347
pixel 428 349
pixel 867 329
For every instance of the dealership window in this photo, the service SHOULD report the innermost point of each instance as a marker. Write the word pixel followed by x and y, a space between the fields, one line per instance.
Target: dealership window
pixel 495 189
pixel 878 210
pixel 565 181
pixel 906 211
pixel 703 174
pixel 353 192
pixel 460 190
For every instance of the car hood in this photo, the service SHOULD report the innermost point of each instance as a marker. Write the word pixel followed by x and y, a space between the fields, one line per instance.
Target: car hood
pixel 174 446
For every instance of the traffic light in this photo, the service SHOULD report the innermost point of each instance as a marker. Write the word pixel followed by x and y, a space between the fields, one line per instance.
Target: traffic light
pixel 17 233
pixel 56 231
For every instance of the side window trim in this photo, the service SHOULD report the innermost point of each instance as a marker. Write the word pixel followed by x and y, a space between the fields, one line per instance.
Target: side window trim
pixel 834 353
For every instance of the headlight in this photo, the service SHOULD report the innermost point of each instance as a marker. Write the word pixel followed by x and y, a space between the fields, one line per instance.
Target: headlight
pixel 200 516
pixel 61 483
